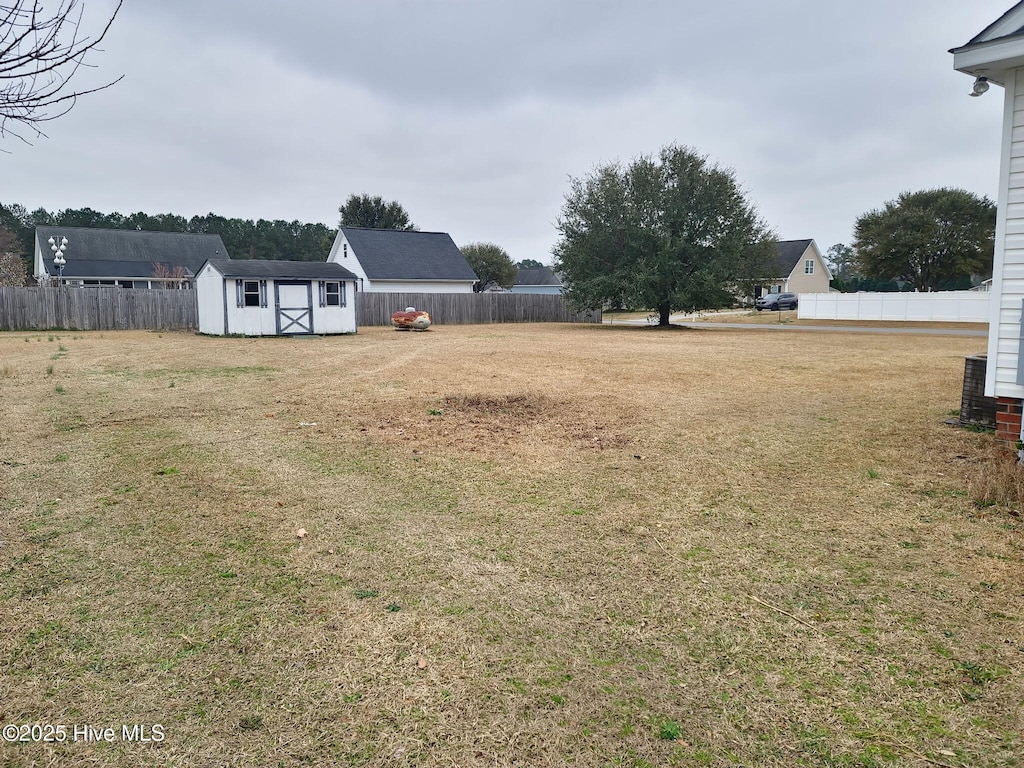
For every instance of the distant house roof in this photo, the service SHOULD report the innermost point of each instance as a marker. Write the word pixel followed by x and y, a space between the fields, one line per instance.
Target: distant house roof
pixel 128 252
pixel 265 269
pixel 391 254
pixel 537 276
pixel 790 253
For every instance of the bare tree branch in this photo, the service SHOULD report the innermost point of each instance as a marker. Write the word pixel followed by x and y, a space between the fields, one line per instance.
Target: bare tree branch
pixel 40 54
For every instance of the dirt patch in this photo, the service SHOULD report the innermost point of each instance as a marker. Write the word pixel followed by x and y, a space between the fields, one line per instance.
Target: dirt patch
pixel 528 407
pixel 484 423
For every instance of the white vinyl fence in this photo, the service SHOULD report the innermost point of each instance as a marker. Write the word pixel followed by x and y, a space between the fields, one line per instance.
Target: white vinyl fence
pixel 941 306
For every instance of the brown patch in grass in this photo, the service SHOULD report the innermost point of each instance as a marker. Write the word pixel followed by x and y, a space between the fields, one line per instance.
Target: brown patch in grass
pixel 529 407
pixel 516 423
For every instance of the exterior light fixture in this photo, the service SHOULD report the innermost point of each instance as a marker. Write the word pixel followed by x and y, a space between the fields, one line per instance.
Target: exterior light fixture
pixel 980 86
pixel 58 257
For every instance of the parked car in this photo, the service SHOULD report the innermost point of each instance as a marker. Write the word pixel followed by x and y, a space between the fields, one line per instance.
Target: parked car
pixel 776 301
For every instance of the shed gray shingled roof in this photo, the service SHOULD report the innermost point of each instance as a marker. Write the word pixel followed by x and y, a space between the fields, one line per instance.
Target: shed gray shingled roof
pixel 102 252
pixel 537 276
pixel 391 254
pixel 265 269
pixel 790 252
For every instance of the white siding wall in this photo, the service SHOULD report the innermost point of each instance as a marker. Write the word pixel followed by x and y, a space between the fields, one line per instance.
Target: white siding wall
pixel 210 301
pixel 1008 272
pixel 340 247
pixel 335 319
pixel 418 286
pixel 251 321
pixel 37 263
pixel 548 290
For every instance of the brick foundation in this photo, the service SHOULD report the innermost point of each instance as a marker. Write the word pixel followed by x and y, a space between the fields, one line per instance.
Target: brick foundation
pixel 1008 413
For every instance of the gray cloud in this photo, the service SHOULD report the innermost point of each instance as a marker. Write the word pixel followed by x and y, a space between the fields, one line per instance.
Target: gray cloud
pixel 474 113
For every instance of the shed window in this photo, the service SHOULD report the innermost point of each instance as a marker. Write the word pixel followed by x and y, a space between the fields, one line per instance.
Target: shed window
pixel 332 294
pixel 809 267
pixel 251 293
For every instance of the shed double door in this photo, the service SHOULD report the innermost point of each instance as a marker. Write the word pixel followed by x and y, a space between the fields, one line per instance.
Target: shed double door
pixel 293 304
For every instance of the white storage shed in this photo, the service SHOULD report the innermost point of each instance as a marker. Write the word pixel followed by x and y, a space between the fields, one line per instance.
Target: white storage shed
pixel 275 298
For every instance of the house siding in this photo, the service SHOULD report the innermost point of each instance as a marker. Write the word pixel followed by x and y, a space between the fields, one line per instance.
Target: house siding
pixel 418 286
pixel 1008 272
pixel 802 283
pixel 342 253
pixel 545 290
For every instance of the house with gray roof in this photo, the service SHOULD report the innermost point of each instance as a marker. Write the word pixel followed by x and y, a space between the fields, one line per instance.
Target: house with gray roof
pixel 258 297
pixel 799 268
pixel 391 260
pixel 537 280
pixel 126 258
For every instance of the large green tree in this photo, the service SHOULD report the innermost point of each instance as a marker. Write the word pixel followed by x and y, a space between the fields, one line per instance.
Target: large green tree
pixel 672 233
pixel 374 213
pixel 492 265
pixel 529 264
pixel 842 261
pixel 19 221
pixel 927 238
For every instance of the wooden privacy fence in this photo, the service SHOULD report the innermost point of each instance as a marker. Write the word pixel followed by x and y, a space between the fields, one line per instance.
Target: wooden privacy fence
pixel 471 308
pixel 111 309
pixel 96 309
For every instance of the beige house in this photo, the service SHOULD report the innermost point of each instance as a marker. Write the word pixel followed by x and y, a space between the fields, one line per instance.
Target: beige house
pixel 799 269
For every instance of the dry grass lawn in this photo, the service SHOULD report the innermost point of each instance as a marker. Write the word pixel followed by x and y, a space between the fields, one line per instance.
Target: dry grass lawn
pixel 524 546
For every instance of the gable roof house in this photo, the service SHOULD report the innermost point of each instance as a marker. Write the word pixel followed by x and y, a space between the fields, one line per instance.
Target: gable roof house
pixel 391 260
pixel 537 280
pixel 123 257
pixel 996 56
pixel 799 268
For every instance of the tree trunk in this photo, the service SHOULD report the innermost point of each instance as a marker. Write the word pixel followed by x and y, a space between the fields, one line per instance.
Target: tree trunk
pixel 663 313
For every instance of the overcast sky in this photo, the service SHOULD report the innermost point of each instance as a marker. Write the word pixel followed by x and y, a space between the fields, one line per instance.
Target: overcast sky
pixel 474 114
